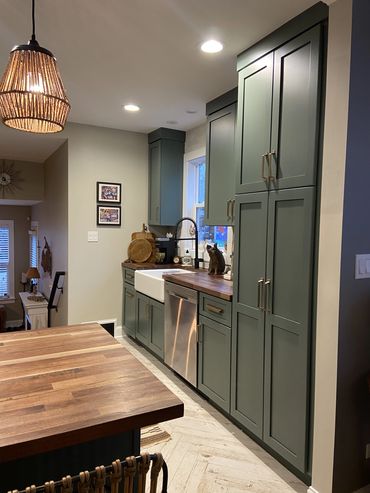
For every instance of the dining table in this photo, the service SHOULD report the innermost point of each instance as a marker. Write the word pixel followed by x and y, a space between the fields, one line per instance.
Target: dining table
pixel 72 398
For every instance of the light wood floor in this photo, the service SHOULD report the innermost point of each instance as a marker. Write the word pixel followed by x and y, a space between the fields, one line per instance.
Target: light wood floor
pixel 207 453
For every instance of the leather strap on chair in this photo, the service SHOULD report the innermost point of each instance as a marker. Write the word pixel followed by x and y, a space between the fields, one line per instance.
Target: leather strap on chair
pixel 67 486
pixel 129 474
pixel 99 479
pixel 84 484
pixel 115 476
pixel 156 468
pixel 143 468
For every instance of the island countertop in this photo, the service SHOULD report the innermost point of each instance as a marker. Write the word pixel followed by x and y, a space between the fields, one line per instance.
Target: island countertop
pixel 67 385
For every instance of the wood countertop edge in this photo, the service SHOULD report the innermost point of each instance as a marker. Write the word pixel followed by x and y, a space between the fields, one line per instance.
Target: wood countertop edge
pixel 68 438
pixel 198 286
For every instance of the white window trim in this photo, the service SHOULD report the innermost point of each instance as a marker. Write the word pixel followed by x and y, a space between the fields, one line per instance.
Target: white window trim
pixel 34 231
pixel 186 211
pixel 11 296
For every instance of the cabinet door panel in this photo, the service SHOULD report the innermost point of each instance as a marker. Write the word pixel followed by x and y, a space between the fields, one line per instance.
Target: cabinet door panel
pixel 154 183
pixel 288 322
pixel 156 343
pixel 220 174
pixel 295 118
pixel 248 318
pixel 214 361
pixel 143 313
pixel 254 124
pixel 129 309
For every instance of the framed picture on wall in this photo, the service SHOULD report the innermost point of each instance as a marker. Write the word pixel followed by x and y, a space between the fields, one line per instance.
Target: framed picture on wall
pixel 108 215
pixel 108 192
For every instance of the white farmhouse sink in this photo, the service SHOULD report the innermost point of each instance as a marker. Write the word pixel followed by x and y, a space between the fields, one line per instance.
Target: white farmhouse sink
pixel 151 283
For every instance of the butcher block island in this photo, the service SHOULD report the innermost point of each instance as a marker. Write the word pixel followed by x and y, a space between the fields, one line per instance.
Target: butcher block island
pixel 72 398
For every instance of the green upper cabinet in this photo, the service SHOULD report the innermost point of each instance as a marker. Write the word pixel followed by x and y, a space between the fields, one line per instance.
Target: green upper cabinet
pixel 166 156
pixel 277 139
pixel 220 160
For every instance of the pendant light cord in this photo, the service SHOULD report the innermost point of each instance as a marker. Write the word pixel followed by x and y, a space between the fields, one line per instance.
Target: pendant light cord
pixel 33 21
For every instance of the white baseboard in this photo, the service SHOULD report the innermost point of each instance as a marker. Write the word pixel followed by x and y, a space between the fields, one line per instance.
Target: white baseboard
pixel 14 323
pixel 312 490
pixel 117 331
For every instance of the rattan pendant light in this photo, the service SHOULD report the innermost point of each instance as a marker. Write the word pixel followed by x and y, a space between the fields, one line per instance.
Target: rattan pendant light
pixel 32 95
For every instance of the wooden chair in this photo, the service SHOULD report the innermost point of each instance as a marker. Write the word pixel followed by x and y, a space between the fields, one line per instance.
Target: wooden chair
pixel 131 471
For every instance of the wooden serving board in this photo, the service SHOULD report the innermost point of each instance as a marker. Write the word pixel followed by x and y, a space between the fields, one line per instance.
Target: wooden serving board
pixel 140 250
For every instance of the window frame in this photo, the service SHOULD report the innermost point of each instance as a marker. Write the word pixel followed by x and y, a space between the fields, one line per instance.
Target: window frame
pixel 11 295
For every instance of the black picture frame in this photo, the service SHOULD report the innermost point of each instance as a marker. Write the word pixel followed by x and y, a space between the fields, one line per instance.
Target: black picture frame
pixel 108 192
pixel 108 215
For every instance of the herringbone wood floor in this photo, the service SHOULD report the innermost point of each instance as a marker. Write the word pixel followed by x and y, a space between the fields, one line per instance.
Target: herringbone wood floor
pixel 207 453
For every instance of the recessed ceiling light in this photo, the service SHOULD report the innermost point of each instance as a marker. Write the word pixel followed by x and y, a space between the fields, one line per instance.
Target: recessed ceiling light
pixel 131 107
pixel 191 112
pixel 172 122
pixel 212 46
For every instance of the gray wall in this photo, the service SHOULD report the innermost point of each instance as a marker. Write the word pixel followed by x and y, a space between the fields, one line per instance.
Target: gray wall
pixel 196 138
pixel 52 216
pixel 351 470
pixel 29 184
pixel 94 269
pixel 21 217
pixel 331 218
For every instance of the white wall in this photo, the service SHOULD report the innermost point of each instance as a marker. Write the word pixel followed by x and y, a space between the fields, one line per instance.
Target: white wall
pixel 331 216
pixel 52 216
pixel 95 276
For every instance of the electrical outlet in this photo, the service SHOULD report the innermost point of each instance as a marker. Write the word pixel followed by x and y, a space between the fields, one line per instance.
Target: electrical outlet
pixel 367 451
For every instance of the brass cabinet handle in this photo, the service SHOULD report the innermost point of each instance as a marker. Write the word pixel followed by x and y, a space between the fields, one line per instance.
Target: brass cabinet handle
pixel 260 285
pixel 129 294
pixel 199 333
pixel 271 156
pixel 264 156
pixel 228 203
pixel 233 210
pixel 268 295
pixel 214 309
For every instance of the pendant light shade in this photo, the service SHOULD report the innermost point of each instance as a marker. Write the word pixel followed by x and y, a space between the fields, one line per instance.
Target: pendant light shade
pixel 32 95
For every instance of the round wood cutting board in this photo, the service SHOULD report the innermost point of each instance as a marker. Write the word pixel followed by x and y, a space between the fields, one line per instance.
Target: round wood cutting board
pixel 139 250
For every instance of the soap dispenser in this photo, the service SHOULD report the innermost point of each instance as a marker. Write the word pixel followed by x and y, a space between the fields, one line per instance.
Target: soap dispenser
pixel 186 259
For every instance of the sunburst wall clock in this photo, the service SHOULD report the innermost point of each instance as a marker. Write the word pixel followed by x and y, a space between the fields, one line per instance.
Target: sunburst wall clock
pixel 9 179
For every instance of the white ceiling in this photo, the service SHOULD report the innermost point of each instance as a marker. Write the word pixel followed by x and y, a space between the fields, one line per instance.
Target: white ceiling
pixel 113 52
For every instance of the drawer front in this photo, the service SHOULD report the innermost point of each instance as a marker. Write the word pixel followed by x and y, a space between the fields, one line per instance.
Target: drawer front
pixel 215 308
pixel 129 275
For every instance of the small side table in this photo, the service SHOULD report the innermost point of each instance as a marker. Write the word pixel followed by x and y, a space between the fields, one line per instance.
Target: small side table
pixel 35 312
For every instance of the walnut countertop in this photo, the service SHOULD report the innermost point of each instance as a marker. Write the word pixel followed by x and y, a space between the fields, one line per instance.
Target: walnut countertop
pixel 200 280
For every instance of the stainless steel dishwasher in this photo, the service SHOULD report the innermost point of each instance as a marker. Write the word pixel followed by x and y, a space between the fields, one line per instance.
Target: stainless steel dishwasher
pixel 180 330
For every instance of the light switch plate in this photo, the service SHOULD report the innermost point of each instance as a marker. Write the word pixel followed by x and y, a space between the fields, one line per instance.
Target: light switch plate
pixel 92 236
pixel 362 270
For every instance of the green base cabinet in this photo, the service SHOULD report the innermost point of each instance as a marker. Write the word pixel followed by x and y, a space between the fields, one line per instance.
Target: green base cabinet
pixel 150 324
pixel 220 167
pixel 129 309
pixel 277 136
pixel 214 349
pixel 272 319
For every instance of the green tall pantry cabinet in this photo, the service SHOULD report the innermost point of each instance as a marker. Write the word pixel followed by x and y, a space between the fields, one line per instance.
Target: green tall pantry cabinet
pixel 166 158
pixel 277 151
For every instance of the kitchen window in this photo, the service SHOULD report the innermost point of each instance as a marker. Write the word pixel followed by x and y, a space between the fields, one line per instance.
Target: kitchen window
pixel 194 198
pixel 6 260
pixel 33 245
